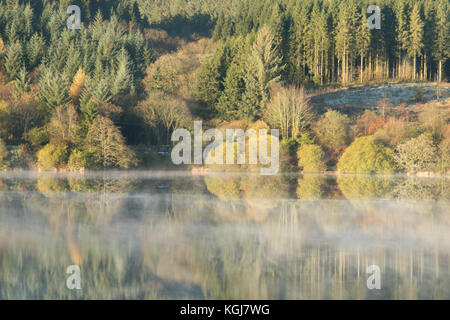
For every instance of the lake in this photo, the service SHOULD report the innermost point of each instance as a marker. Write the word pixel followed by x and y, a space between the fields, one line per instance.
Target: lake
pixel 172 235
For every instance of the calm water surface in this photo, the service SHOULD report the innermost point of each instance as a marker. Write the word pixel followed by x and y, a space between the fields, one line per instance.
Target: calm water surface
pixel 170 235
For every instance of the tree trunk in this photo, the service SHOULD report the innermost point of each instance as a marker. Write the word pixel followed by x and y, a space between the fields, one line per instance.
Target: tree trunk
pixel 362 63
pixel 414 68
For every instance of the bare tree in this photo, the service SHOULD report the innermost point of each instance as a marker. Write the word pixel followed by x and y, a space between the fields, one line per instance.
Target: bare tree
pixel 164 111
pixel 108 144
pixel 63 126
pixel 289 111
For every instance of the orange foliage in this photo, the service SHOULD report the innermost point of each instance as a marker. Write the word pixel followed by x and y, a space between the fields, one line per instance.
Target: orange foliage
pixel 79 81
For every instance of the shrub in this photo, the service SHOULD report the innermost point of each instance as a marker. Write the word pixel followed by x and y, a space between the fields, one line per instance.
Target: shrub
pixel 368 123
pixel 78 160
pixel 311 158
pixel 396 131
pixel 3 155
pixel 365 155
pixel 444 152
pixel 52 157
pixel 37 136
pixel 333 130
pixel 417 154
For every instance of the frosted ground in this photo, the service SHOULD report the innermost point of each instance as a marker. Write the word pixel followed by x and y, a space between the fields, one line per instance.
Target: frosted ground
pixel 369 96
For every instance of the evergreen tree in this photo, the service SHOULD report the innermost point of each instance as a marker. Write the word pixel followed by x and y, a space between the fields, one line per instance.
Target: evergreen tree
pixel 53 89
pixel 156 82
pixel 442 35
pixel 317 43
pixel 35 50
pixel 415 36
pixel 22 82
pixel 122 81
pixel 210 83
pixel 262 69
pixel 13 60
pixel 344 39
pixel 362 40
pixel 230 101
pixel 402 36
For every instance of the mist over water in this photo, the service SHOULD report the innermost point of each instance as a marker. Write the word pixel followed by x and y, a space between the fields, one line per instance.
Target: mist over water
pixel 167 235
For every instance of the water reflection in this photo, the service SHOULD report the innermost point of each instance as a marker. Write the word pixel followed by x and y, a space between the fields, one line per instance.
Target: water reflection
pixel 164 236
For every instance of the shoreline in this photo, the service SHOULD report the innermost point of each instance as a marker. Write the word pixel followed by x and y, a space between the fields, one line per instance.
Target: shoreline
pixel 182 172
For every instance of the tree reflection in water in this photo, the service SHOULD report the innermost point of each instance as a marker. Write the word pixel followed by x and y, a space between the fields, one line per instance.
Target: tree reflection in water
pixel 223 236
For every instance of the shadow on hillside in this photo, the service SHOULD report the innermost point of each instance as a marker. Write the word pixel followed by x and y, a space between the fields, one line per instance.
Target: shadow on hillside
pixel 187 28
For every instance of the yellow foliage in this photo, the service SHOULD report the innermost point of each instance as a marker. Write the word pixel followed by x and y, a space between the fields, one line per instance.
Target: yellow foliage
pixel 3 105
pixel 258 125
pixel 2 47
pixel 79 81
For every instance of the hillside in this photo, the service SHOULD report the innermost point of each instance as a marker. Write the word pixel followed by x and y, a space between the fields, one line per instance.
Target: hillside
pixel 136 70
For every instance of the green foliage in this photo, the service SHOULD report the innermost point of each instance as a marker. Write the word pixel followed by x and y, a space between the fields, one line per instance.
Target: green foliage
pixel 52 157
pixel 229 104
pixel 366 188
pixel 210 81
pixel 417 154
pixel 444 152
pixel 311 158
pixel 225 189
pixel 260 53
pixel 123 82
pixel 310 187
pixel 53 89
pixel 3 155
pixel 35 50
pixel 262 70
pixel 37 136
pixel 22 83
pixel 81 159
pixel 14 60
pixel 365 155
pixel 415 31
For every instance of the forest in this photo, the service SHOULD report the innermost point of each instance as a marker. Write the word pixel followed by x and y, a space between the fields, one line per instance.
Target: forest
pixel 107 95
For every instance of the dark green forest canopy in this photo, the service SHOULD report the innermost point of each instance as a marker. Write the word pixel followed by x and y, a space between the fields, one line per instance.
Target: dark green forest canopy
pixel 311 35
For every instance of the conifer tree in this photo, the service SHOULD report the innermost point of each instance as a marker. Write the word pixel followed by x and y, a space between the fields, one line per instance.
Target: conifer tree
pixel 122 81
pixel 35 50
pixel 317 42
pixel 22 82
pixel 229 103
pixel 262 69
pixel 53 89
pixel 13 60
pixel 442 35
pixel 362 39
pixel 415 36
pixel 344 32
pixel 401 30
pixel 209 85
